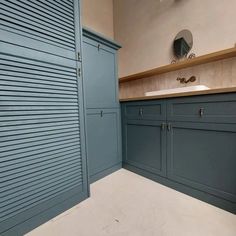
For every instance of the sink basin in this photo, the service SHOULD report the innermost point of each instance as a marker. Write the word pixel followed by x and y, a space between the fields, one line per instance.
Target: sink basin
pixel 177 90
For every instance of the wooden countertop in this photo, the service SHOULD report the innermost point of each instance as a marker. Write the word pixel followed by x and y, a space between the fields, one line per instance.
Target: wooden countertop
pixel 183 94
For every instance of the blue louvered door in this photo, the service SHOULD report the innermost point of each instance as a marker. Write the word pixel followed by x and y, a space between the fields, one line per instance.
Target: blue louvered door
pixel 42 157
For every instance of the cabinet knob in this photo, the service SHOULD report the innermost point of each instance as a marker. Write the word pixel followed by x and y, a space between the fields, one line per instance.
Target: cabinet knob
pixel 169 127
pixel 79 72
pixel 201 112
pixel 140 111
pixel 79 57
pixel 163 126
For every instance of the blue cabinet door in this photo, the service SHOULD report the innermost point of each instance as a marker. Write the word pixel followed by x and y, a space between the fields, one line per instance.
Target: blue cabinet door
pixel 219 108
pixel 42 148
pixel 99 68
pixel 144 145
pixel 203 156
pixel 145 110
pixel 103 135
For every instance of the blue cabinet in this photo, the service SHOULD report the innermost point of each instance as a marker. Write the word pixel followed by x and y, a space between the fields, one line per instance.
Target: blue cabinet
pixel 144 145
pixel 205 109
pixel 104 147
pixel 144 135
pixel 99 61
pixel 42 132
pixel 103 111
pixel 203 156
pixel 148 110
pixel 185 143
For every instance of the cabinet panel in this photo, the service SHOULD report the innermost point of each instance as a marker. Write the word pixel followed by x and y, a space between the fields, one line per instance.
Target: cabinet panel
pixel 149 110
pixel 203 157
pixel 145 145
pixel 99 67
pixel 103 135
pixel 218 108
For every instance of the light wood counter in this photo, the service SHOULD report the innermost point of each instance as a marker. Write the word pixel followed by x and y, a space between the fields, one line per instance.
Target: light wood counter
pixel 183 94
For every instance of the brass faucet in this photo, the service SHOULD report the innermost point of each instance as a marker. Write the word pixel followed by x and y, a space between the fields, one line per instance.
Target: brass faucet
pixel 185 81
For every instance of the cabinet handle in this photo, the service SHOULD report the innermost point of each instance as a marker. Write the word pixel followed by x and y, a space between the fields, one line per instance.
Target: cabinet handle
pixel 169 127
pixel 99 46
pixel 79 72
pixel 79 57
pixel 163 126
pixel 141 111
pixel 201 112
pixel 101 113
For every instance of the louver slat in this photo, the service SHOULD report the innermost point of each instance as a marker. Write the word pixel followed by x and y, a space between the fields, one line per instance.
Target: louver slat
pixel 39 15
pixel 16 16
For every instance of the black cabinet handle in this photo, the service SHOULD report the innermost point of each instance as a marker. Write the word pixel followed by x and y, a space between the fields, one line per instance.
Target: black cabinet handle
pixel 201 112
pixel 141 111
pixel 169 127
pixel 163 126
pixel 79 57
pixel 101 113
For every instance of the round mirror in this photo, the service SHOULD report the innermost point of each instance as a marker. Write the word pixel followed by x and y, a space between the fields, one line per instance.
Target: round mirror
pixel 183 43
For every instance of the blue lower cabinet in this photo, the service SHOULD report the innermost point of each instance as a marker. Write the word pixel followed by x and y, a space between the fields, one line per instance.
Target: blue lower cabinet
pixel 145 110
pixel 218 108
pixel 144 144
pixel 193 152
pixel 203 156
pixel 103 142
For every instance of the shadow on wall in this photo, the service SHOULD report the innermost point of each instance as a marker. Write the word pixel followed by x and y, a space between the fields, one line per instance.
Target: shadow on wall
pixel 163 5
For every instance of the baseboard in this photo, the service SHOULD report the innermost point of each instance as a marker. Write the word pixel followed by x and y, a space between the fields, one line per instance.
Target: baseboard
pixel 105 172
pixel 203 196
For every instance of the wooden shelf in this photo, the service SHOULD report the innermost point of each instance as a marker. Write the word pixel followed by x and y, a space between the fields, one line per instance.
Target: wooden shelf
pixel 220 55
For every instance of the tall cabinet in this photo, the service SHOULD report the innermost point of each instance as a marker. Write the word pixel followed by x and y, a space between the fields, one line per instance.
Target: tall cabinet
pixel 42 148
pixel 102 104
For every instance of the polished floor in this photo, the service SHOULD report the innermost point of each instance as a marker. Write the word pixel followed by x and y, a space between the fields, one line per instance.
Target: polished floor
pixel 126 204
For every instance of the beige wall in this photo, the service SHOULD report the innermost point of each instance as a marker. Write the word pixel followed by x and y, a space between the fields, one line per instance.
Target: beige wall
pixel 98 15
pixel 146 29
pixel 220 74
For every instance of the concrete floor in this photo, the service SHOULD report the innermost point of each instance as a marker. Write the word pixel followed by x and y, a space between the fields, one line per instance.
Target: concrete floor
pixel 126 204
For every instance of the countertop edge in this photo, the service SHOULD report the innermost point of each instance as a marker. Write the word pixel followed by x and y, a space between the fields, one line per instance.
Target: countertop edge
pixel 183 94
